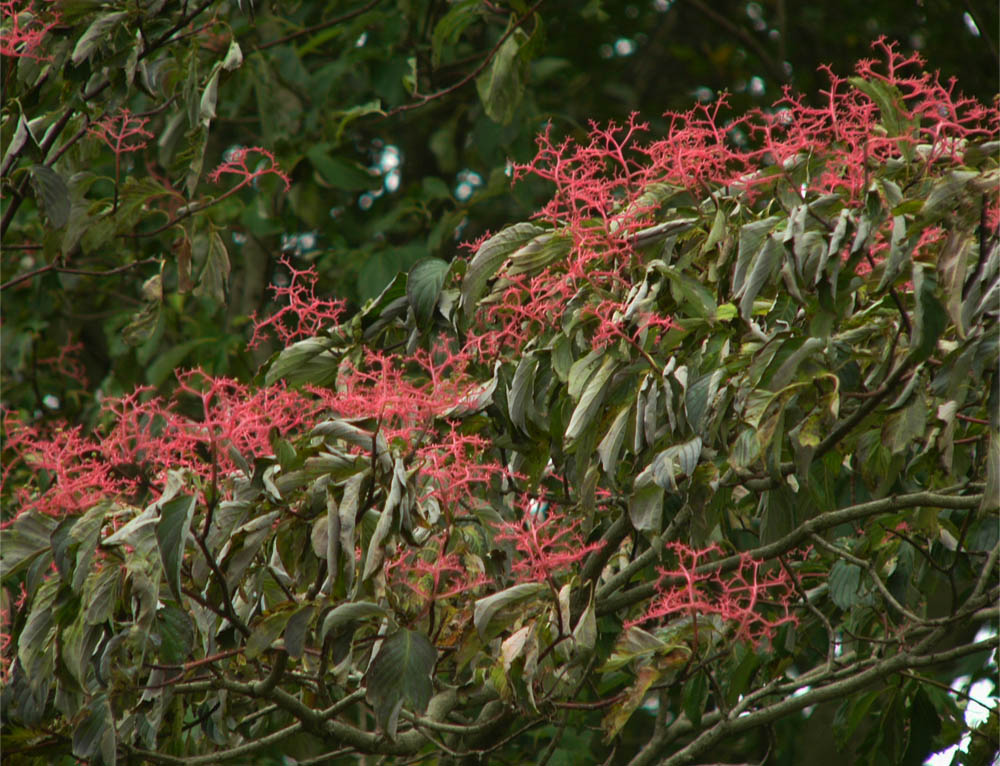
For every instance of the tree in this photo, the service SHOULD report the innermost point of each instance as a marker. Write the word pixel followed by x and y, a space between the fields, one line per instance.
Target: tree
pixel 709 441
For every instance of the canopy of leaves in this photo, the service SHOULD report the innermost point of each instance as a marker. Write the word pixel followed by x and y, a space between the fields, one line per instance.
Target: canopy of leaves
pixel 707 445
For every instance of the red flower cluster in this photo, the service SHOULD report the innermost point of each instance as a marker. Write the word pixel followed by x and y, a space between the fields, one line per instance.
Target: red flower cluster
pixel 742 598
pixel 70 471
pixel 122 132
pixel 24 29
pixel 309 315
pixel 236 164
pixel 548 545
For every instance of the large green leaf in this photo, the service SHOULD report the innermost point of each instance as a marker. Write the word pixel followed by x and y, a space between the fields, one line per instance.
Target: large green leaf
pixel 52 194
pixel 500 86
pixel 94 732
pixel 487 608
pixel 488 258
pixel 352 611
pixel 174 627
pixel 400 675
pixel 423 284
pixel 99 31
pixel 591 398
pixel 451 25
pixel 265 633
pixel 28 536
pixel 172 532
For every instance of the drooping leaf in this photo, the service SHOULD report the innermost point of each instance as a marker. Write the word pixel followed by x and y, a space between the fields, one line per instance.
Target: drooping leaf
pixel 488 258
pixel 501 85
pixel 214 281
pixel 591 398
pixel 94 733
pixel 487 608
pixel 173 625
pixel 845 584
pixel 52 194
pixel 99 31
pixel 26 537
pixel 400 675
pixel 172 530
pixel 265 633
pixel 645 505
pixel 352 611
pixel 451 25
pixel 764 267
pixel 423 284
pixel 296 630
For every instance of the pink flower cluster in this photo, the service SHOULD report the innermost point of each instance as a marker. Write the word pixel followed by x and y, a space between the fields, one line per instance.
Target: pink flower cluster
pixel 755 601
pixel 24 28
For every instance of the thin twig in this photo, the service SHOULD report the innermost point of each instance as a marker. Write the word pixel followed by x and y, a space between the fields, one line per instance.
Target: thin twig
pixel 426 99
pixel 81 272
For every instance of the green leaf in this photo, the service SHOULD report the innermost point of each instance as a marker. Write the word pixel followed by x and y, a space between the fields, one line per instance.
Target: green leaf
pixel 423 285
pixel 172 530
pixel 352 611
pixel 340 173
pixel 27 536
pixel 95 733
pixel 845 584
pixel 347 116
pixel 889 101
pixel 699 397
pixel 691 294
pixel 695 695
pixel 591 399
pixel 99 31
pixel 389 513
pixel 488 258
pixel 521 392
pixel 611 445
pixel 645 505
pixel 585 632
pixel 899 253
pixel 539 253
pixel 101 591
pixel 451 25
pixel 33 645
pixel 678 460
pixel 214 282
pixel 296 630
pixel 400 675
pixel 946 193
pixel 751 239
pixel 234 57
pixel 305 361
pixel 209 97
pixel 487 608
pixel 500 86
pixel 265 633
pixel 169 360
pixel 929 317
pixel 142 325
pixel 765 266
pixel 176 632
pixel 991 492
pixel 52 195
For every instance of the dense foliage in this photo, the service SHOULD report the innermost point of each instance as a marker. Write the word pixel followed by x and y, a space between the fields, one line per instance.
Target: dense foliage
pixel 706 449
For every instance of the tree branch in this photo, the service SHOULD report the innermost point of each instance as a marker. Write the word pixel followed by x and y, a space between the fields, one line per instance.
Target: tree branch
pixel 797 537
pixel 423 100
